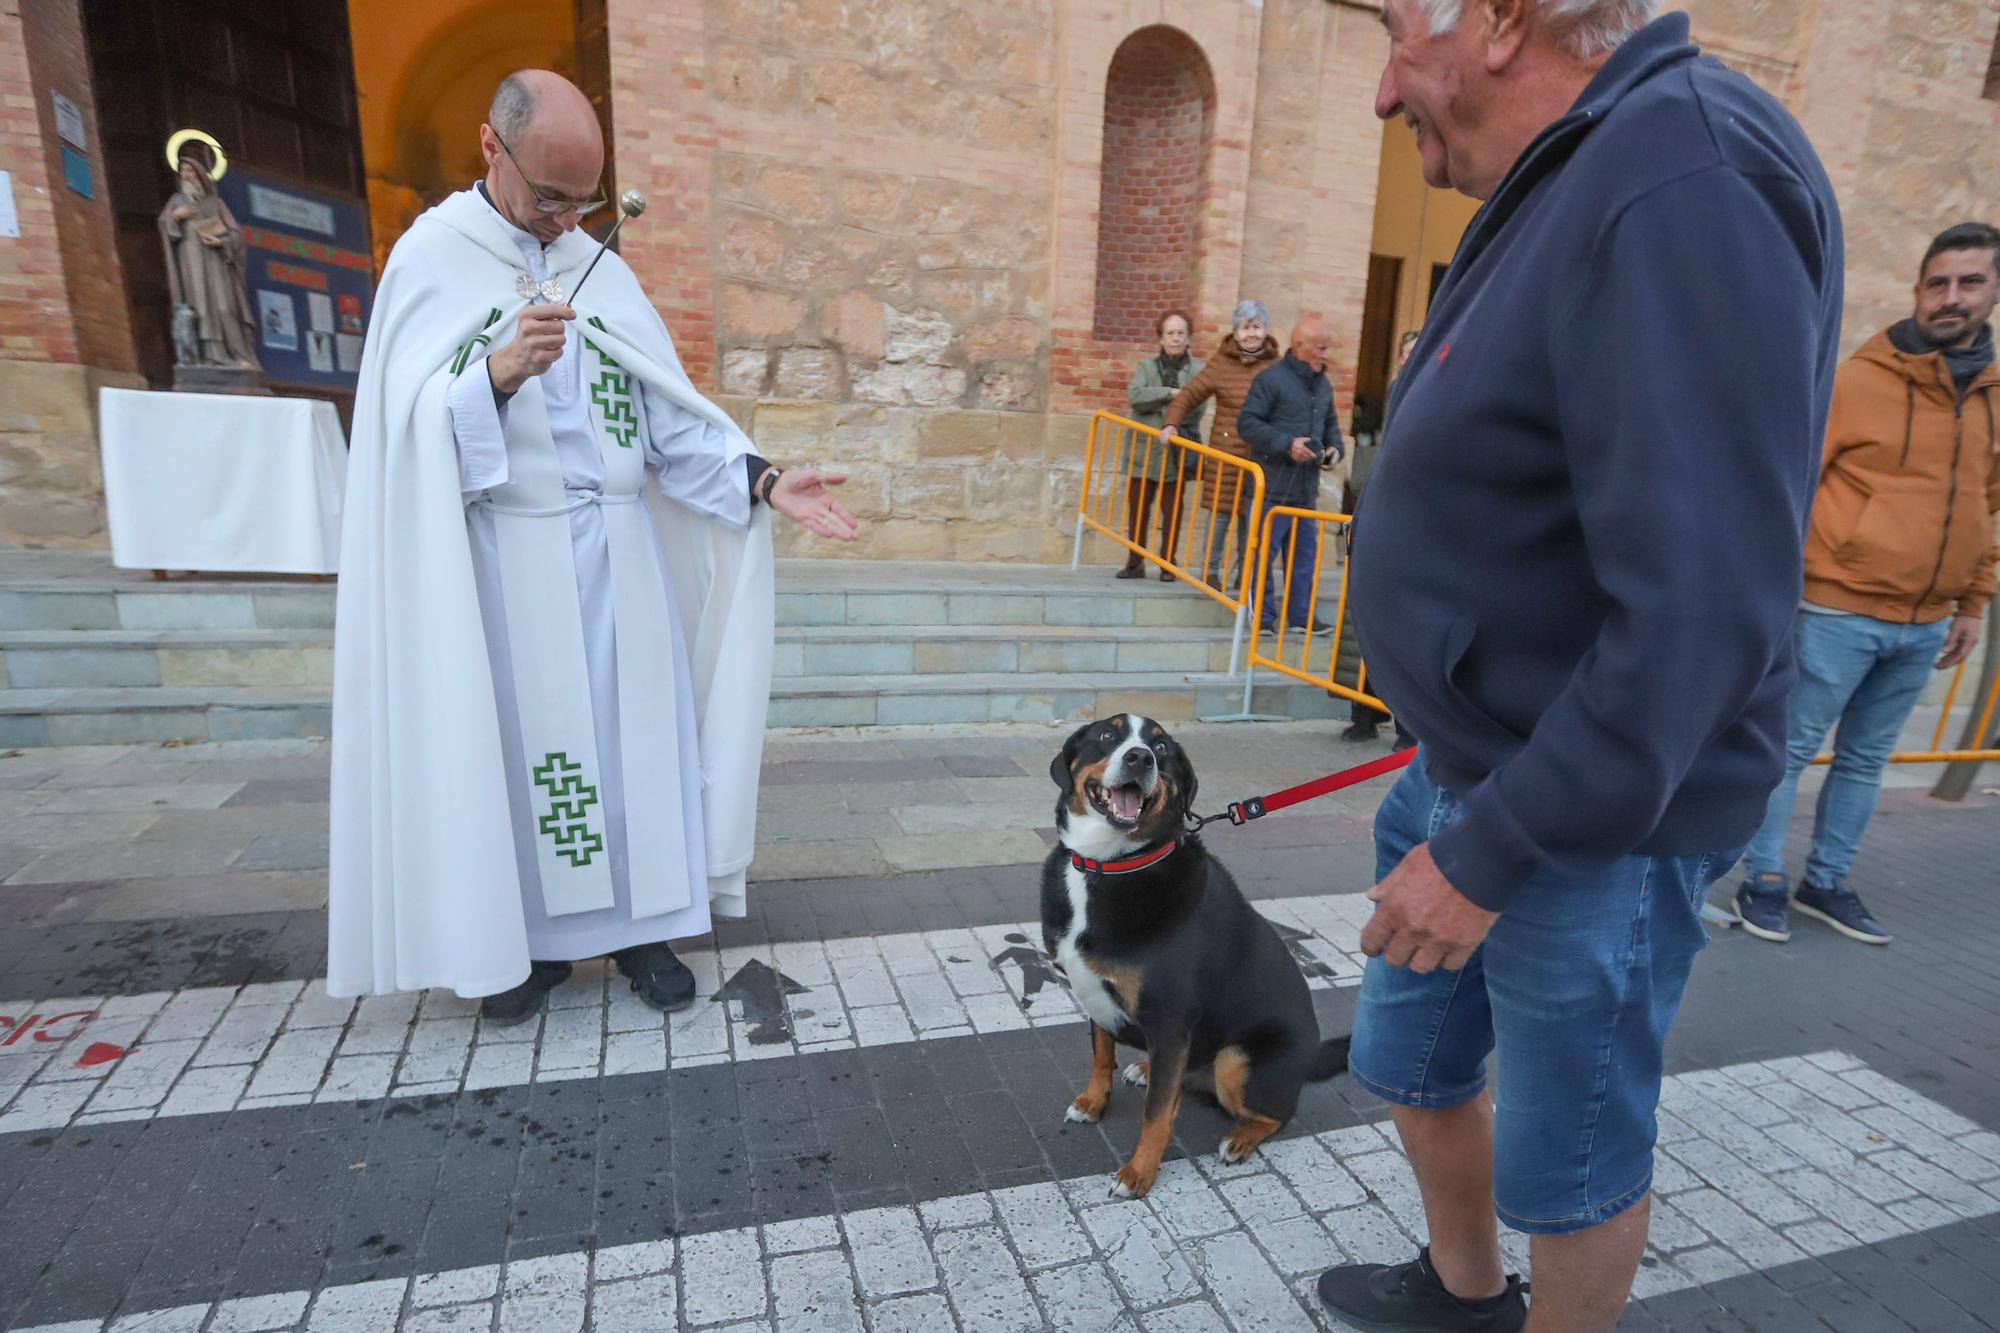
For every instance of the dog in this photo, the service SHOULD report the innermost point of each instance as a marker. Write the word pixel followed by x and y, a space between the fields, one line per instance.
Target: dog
pixel 1163 952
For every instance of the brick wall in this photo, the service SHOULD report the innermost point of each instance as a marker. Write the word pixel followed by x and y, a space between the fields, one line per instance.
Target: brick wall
pixel 35 322
pixel 85 233
pixel 1159 111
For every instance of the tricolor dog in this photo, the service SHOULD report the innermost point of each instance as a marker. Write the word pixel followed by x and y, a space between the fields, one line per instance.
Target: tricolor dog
pixel 1163 952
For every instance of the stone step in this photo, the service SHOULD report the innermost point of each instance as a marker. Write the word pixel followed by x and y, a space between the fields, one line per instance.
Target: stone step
pixel 78 591
pixel 89 659
pixel 972 697
pixel 74 659
pixel 135 715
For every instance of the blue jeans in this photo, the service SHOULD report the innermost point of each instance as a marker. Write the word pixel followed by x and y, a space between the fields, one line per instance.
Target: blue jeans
pixel 1294 582
pixel 1864 674
pixel 1574 988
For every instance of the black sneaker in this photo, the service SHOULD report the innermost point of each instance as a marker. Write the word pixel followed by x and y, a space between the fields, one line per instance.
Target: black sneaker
pixel 1840 907
pixel 1411 1298
pixel 1362 731
pixel 524 1001
pixel 1760 908
pixel 661 980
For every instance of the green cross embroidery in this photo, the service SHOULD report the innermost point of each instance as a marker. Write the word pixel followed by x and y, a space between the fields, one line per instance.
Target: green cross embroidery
pixel 465 349
pixel 612 393
pixel 567 823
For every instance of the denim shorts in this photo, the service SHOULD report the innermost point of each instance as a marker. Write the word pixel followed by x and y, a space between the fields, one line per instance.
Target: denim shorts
pixel 1573 992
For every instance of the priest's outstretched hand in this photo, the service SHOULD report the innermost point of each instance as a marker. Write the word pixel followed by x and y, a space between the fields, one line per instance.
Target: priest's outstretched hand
pixel 802 495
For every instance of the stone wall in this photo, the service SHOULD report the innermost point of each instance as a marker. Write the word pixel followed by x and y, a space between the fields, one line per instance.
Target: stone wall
pixel 64 330
pixel 1891 93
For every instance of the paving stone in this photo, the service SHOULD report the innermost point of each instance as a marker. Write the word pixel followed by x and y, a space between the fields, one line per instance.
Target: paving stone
pixel 814 1293
pixel 1081 1299
pixel 1039 1223
pixel 722 1277
pixel 1252 1295
pixel 645 1302
pixel 253 1314
pixel 984 1283
pixel 1141 1255
pixel 891 1255
pixel 912 1314
pixel 366 1307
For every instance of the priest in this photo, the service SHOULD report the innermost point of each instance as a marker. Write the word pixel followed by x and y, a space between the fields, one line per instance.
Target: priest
pixel 552 659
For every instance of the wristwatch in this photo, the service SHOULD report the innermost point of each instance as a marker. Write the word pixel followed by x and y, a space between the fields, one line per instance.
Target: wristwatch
pixel 767 481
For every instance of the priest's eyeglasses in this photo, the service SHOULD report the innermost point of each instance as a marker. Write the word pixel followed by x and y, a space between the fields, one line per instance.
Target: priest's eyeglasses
pixel 543 203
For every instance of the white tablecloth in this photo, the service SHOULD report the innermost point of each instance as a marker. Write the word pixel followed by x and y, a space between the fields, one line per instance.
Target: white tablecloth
pixel 222 482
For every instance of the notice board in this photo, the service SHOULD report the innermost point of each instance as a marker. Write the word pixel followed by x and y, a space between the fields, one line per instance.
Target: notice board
pixel 310 277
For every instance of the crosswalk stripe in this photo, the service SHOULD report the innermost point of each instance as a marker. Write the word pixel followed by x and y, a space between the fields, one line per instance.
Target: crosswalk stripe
pixel 1761 1164
pixel 92 1059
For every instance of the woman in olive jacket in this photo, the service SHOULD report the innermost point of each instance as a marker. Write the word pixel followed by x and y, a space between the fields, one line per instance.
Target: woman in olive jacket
pixel 1154 468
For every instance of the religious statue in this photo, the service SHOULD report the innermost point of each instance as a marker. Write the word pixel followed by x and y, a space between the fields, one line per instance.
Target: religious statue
pixel 205 253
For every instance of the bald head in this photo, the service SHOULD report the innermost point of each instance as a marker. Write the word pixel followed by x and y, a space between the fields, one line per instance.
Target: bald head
pixel 548 127
pixel 1312 341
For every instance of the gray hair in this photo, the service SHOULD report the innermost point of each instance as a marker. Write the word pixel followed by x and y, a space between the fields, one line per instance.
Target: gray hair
pixel 513 109
pixel 1588 28
pixel 1248 310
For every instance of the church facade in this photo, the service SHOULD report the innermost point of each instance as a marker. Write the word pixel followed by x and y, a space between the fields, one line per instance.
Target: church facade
pixel 921 241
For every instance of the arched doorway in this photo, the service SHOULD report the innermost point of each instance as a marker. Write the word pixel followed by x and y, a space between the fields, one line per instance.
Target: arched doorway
pixel 1159 119
pixel 423 76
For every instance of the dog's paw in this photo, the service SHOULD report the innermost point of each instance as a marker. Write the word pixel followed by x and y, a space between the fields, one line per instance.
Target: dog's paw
pixel 1133 1182
pixel 1234 1150
pixel 1085 1110
pixel 1137 1072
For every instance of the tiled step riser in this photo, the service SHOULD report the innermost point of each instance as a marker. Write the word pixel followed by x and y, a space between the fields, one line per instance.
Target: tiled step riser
pixel 154 726
pixel 140 665
pixel 889 655
pixel 1070 706
pixel 283 609
pixel 312 608
pixel 1109 609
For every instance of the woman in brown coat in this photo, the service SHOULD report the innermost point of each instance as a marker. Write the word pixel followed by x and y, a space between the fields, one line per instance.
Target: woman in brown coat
pixel 1242 355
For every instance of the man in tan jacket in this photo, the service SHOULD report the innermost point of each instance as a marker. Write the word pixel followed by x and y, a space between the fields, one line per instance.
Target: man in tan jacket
pixel 1900 565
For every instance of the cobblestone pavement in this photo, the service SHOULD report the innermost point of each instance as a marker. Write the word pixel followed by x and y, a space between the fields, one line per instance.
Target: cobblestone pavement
pixel 859 1123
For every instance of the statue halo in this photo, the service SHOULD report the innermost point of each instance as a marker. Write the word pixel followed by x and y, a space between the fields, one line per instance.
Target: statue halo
pixel 180 137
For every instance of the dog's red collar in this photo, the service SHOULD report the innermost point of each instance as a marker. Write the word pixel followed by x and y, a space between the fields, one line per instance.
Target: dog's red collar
pixel 1130 863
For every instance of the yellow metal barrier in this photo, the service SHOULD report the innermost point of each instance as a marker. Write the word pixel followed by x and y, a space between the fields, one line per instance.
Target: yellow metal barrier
pixel 1120 450
pixel 1304 665
pixel 1936 755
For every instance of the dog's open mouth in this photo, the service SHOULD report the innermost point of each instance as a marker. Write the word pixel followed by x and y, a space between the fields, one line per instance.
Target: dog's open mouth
pixel 1121 805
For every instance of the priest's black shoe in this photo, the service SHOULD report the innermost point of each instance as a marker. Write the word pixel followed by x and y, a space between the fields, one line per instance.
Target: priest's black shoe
pixel 661 979
pixel 525 1000
pixel 1411 1298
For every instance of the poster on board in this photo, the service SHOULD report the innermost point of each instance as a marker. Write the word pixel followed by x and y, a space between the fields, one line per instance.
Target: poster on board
pixel 310 276
pixel 278 317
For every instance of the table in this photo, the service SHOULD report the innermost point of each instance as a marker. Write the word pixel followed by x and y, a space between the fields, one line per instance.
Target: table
pixel 222 482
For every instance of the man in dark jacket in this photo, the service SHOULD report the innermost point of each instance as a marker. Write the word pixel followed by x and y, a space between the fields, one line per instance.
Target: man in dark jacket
pixel 1575 574
pixel 1292 430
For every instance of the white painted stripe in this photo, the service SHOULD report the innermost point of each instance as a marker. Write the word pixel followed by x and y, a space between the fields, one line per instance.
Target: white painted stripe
pixel 288 1043
pixel 1731 1196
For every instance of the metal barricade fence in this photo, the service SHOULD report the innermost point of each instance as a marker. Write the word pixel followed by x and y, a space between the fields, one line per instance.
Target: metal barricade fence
pixel 1197 489
pixel 1297 653
pixel 1280 557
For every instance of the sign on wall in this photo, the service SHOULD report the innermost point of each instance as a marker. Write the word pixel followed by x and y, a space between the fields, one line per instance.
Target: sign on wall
pixel 310 277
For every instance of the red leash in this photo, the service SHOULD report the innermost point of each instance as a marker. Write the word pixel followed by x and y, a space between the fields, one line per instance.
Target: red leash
pixel 1242 812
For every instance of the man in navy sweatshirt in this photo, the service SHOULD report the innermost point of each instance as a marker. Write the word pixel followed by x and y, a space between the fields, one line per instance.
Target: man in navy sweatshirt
pixel 1575 572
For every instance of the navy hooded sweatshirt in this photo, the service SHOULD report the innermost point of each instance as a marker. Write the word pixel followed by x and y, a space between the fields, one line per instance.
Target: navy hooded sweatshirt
pixel 1576 571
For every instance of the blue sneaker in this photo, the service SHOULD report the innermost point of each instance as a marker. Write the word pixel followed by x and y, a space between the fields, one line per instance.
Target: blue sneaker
pixel 1840 907
pixel 1760 908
